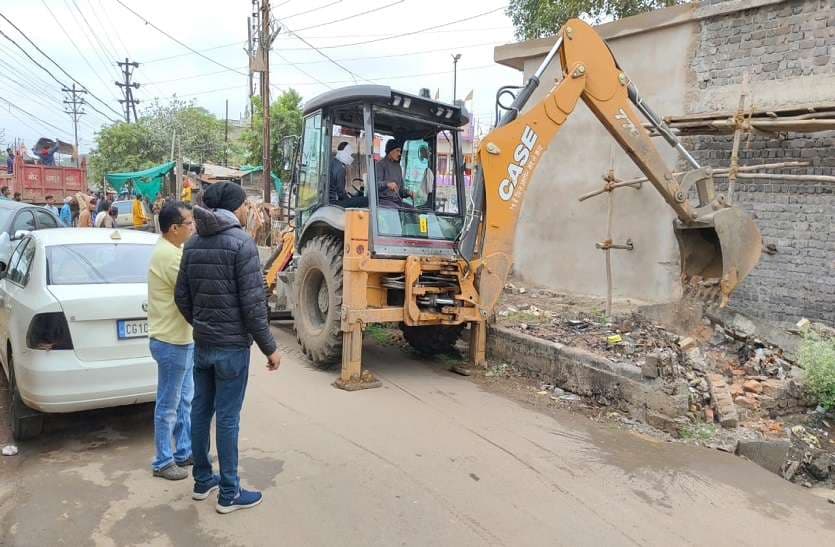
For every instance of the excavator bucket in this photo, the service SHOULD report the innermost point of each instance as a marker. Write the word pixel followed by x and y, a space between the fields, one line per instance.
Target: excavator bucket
pixel 718 251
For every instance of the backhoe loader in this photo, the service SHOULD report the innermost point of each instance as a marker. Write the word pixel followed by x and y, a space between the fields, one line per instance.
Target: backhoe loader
pixel 438 261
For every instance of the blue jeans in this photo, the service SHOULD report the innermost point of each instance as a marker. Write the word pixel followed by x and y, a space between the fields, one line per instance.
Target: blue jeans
pixel 220 376
pixel 172 413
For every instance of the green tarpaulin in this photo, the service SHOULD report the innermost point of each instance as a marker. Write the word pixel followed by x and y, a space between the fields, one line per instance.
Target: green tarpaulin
pixel 147 183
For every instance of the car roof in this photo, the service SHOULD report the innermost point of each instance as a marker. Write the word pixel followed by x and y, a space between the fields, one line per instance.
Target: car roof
pixel 70 236
pixel 12 204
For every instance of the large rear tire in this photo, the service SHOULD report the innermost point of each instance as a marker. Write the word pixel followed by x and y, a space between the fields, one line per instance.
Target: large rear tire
pixel 318 312
pixel 25 422
pixel 432 339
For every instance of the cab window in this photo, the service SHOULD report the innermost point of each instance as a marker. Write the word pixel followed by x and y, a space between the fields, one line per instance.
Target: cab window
pixel 311 165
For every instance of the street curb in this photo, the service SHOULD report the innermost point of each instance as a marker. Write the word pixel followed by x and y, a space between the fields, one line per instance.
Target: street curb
pixel 579 371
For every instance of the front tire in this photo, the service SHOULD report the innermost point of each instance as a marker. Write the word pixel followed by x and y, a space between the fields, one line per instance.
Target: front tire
pixel 25 422
pixel 318 313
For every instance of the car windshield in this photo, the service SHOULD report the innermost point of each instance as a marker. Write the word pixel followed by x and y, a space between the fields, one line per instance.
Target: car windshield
pixel 98 263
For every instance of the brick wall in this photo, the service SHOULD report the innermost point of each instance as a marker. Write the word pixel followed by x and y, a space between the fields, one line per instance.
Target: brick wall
pixel 790 41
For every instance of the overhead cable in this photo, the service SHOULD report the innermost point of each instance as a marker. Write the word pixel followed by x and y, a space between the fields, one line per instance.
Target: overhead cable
pixel 54 63
pixel 172 38
pixel 78 50
pixel 34 117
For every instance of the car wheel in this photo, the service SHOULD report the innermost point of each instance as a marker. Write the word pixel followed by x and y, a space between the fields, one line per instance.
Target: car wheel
pixel 25 422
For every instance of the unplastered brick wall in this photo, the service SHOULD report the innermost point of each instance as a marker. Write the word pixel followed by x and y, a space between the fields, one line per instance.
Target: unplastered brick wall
pixel 786 48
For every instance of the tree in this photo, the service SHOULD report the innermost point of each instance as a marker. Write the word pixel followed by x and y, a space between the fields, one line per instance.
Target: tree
pixel 285 120
pixel 131 147
pixel 121 147
pixel 199 132
pixel 539 18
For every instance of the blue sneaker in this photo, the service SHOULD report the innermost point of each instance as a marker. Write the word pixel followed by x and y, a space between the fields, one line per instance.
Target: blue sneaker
pixel 202 492
pixel 244 500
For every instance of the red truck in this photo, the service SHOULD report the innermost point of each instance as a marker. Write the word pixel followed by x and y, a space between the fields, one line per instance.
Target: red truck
pixel 34 182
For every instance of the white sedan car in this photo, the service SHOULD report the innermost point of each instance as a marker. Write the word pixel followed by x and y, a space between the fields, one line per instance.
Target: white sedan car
pixel 74 323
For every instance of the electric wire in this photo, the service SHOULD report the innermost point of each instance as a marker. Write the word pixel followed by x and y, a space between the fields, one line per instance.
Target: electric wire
pixel 181 43
pixel 354 16
pixel 34 117
pixel 108 69
pixel 54 63
pixel 411 33
pixel 78 50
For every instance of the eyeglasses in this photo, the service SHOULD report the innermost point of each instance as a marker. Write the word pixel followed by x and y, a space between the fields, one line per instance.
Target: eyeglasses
pixel 187 223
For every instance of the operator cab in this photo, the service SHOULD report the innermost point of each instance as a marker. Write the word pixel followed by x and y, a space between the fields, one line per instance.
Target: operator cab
pixel 425 215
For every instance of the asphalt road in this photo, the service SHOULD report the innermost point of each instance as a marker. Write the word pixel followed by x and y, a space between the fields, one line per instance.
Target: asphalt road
pixel 430 458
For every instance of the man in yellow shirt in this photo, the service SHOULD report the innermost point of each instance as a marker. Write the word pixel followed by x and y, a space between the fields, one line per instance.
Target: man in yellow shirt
pixel 139 218
pixel 172 346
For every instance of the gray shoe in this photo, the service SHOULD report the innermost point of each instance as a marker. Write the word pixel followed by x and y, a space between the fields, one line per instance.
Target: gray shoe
pixel 172 473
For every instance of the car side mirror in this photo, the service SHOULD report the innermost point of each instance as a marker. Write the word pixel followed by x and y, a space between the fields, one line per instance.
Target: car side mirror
pixel 20 234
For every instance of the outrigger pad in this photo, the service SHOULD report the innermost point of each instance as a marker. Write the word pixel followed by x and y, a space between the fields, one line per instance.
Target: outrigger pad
pixel 366 381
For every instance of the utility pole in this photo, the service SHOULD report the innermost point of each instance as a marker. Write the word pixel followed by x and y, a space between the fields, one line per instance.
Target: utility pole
pixel 455 59
pixel 127 88
pixel 260 62
pixel 73 108
pixel 226 136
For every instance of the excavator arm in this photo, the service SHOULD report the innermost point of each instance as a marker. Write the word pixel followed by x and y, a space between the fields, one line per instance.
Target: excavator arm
pixel 715 241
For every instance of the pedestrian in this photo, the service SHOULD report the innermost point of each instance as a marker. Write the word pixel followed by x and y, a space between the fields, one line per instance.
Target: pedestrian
pixel 220 292
pixel 139 218
pixel 5 193
pixel 85 217
pixel 172 347
pixel 17 197
pixel 103 214
pixel 50 204
pixel 9 161
pixel 66 212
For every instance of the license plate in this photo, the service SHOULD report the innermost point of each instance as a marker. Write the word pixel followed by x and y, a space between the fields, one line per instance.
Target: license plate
pixel 132 328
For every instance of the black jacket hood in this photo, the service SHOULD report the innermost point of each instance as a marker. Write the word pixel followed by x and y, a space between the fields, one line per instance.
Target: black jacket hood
pixel 210 223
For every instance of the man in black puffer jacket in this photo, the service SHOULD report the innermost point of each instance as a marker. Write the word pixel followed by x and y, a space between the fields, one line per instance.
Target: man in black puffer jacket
pixel 220 291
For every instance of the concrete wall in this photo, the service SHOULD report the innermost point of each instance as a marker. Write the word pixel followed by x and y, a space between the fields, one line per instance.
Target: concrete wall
pixel 690 59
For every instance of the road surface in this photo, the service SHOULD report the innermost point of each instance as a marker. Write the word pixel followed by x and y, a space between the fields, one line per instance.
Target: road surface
pixel 428 459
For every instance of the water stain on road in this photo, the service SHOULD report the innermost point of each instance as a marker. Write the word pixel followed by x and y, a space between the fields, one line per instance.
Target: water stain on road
pixel 144 525
pixel 260 472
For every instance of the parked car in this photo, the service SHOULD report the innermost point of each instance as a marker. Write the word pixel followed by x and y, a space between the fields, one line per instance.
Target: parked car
pixel 74 323
pixel 16 216
pixel 125 218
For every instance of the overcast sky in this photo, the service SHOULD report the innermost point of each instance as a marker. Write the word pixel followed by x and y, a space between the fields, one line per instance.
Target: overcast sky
pixel 86 50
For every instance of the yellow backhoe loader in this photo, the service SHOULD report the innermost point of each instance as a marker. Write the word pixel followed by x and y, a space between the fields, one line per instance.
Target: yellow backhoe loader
pixel 437 260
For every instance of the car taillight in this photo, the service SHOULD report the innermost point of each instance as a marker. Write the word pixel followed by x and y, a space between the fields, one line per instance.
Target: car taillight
pixel 49 331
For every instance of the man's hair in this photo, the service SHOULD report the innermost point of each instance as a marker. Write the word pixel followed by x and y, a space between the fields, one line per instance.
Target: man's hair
pixel 17 194
pixel 342 145
pixel 48 197
pixel 4 189
pixel 171 214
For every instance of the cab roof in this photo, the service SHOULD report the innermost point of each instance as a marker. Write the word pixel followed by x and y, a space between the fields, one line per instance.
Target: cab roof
pixel 382 95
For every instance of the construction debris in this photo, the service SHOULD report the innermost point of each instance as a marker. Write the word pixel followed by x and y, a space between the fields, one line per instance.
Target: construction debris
pixel 749 387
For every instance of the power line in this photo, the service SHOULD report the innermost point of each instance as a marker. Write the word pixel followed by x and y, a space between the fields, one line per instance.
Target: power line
pixel 34 117
pixel 303 71
pixel 183 44
pixel 113 52
pixel 353 74
pixel 77 49
pixel 311 10
pixel 54 63
pixel 412 33
pixel 347 59
pixel 354 16
pixel 97 51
